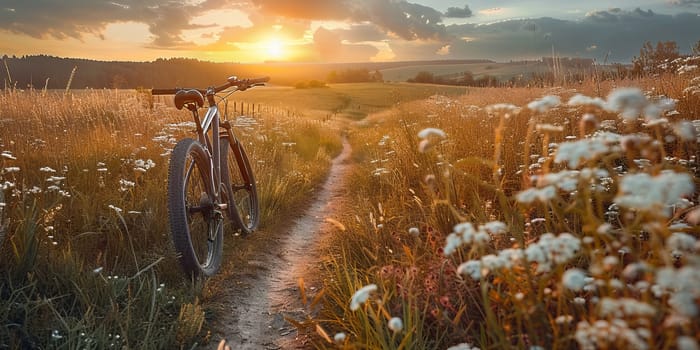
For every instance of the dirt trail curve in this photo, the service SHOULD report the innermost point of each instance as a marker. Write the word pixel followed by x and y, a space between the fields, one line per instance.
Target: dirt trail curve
pixel 254 315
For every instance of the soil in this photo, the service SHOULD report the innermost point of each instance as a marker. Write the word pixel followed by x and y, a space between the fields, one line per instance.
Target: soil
pixel 262 294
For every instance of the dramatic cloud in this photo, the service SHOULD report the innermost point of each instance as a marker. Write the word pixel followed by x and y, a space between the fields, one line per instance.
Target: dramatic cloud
pixel 75 18
pixel 346 29
pixel 406 20
pixel 456 12
pixel 167 19
pixel 615 32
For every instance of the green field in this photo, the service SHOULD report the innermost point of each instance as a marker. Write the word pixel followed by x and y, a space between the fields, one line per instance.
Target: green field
pixel 354 101
pixel 499 70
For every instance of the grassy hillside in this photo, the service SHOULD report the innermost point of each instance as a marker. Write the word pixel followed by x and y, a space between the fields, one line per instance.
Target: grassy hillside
pixel 354 101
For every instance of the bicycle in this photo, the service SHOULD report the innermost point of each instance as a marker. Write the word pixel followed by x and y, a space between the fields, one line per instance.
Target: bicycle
pixel 207 177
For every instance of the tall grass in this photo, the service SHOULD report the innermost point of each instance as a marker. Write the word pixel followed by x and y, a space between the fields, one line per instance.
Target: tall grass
pixel 86 260
pixel 523 222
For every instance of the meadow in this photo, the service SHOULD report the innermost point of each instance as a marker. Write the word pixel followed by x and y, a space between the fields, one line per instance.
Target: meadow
pixel 87 261
pixel 553 218
pixel 543 218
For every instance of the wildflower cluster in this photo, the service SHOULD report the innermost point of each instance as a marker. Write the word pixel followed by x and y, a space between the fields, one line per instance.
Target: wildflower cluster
pixel 642 187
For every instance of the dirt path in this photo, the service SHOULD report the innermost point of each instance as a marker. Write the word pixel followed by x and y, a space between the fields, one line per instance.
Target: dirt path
pixel 261 297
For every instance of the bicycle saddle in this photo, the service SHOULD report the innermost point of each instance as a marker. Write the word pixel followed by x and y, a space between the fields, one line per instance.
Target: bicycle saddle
pixel 184 97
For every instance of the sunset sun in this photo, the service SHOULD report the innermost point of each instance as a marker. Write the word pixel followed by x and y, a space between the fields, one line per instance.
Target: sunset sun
pixel 274 48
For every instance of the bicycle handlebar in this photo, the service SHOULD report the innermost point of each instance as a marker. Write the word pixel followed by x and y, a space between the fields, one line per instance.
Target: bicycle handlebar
pixel 241 84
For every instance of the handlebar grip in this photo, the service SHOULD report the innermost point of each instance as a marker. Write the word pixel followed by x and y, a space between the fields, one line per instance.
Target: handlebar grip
pixel 260 80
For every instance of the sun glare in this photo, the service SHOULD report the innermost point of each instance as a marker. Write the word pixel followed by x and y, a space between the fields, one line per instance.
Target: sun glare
pixel 274 48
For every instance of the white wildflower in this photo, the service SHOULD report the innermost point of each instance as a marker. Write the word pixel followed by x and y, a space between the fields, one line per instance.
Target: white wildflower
pixel 454 241
pixel 582 100
pixel 7 155
pixel 577 151
pixel 608 334
pixel 56 179
pixel 116 209
pixel 644 192
pixel 471 268
pixel 339 337
pixel 684 285
pixel 628 101
pixel 685 130
pixel 574 279
pixel 503 107
pixel 687 343
pixel 624 307
pixel 12 169
pixel 544 104
pixel 426 135
pixel 361 296
pixel 564 319
pixel 681 241
pixel 549 128
pixel 463 346
pixel 536 194
pixel 654 111
pixel 47 169
pixel 491 262
pixel 395 324
pixel 428 132
pixel 566 180
pixel 125 185
pixel 414 231
pixel 56 335
pixel 495 227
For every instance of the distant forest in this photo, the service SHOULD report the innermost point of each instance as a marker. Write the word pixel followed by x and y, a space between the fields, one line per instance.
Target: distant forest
pixel 55 72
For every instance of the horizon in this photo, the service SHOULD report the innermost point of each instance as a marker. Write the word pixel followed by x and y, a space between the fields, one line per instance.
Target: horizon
pixel 344 31
pixel 398 62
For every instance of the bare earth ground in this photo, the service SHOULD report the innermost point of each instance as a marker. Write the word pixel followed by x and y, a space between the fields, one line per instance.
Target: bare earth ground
pixel 260 295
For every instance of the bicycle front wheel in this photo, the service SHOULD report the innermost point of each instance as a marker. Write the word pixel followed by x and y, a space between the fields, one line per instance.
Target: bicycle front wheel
pixel 239 183
pixel 195 220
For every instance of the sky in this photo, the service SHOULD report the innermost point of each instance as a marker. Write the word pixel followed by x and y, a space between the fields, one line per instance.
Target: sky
pixel 251 31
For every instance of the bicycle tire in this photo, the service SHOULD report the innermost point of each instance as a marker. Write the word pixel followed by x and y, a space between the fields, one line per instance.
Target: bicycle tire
pixel 196 226
pixel 239 182
pixel 3 210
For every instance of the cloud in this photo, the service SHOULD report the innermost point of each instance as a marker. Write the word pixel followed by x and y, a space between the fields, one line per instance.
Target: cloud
pixel 406 20
pixel 76 18
pixel 618 32
pixel 457 12
pixel 167 19
pixel 327 43
pixel 307 9
pixel 403 19
pixel 330 47
pixel 405 30
pixel 686 3
pixel 362 32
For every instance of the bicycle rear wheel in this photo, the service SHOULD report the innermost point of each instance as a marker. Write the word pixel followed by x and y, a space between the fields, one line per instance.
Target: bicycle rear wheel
pixel 195 220
pixel 239 182
pixel 3 210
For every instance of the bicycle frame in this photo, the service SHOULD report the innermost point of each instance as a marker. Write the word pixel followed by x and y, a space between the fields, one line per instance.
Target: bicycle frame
pixel 211 121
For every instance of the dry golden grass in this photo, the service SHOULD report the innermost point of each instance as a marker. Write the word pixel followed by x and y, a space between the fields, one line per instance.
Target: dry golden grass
pixel 614 262
pixel 87 260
